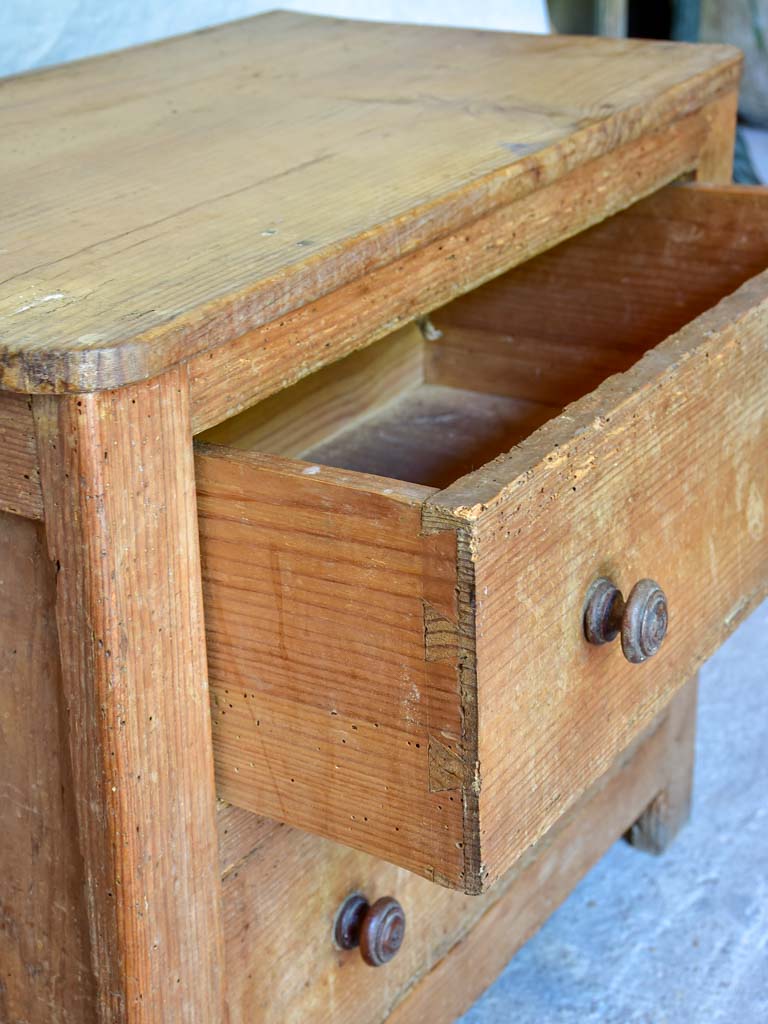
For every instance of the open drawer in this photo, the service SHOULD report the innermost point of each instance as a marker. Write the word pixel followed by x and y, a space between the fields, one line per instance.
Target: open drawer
pixel 395 611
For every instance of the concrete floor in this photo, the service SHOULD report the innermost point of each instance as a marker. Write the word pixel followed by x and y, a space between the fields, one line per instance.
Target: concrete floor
pixel 683 938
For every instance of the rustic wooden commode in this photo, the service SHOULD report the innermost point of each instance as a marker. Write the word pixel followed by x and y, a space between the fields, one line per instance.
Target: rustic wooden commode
pixel 463 323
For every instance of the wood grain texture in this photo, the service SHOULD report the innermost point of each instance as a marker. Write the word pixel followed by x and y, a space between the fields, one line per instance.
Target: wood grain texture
pixel 554 328
pixel 118 488
pixel 715 163
pixel 432 434
pixel 326 711
pixel 45 961
pixel 263 360
pixel 124 263
pixel 239 833
pixel 534 889
pixel 19 473
pixel 454 944
pixel 315 576
pixel 659 472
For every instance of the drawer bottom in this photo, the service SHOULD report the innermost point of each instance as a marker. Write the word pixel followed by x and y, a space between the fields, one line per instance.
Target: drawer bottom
pixel 282 889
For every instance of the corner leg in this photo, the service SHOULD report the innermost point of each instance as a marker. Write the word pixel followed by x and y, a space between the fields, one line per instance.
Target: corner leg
pixel 121 527
pixel 670 809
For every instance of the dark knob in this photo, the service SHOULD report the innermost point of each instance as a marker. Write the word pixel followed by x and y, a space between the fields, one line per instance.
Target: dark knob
pixel 642 620
pixel 378 930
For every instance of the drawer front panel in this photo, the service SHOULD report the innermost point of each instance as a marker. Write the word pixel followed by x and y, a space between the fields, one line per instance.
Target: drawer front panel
pixel 661 472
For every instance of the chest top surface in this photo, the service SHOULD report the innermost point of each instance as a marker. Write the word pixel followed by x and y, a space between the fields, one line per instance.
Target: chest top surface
pixel 159 201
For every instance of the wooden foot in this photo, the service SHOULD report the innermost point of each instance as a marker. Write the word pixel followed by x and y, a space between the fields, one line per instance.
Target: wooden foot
pixel 670 809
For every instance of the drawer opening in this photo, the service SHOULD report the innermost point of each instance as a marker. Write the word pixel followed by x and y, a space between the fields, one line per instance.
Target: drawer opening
pixel 390 410
pixel 442 397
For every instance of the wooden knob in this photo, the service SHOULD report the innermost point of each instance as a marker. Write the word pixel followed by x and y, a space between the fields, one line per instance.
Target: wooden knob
pixel 378 930
pixel 642 620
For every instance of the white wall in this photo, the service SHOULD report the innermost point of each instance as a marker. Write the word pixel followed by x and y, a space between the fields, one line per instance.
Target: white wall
pixel 36 32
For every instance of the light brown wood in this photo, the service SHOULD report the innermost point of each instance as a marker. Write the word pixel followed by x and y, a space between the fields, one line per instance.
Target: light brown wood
pixel 45 961
pixel 557 326
pixel 670 809
pixel 432 434
pixel 715 162
pixel 331 400
pixel 374 412
pixel 240 832
pixel 324 700
pixel 383 677
pixel 265 359
pixel 640 478
pixel 545 877
pixel 123 263
pixel 19 474
pixel 118 489
pixel 280 902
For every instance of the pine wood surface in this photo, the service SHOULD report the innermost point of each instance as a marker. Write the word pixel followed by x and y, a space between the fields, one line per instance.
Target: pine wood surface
pixel 45 959
pixel 281 896
pixel 121 531
pixel 333 686
pixel 265 359
pixel 561 323
pixel 551 869
pixel 323 699
pixel 209 184
pixel 658 472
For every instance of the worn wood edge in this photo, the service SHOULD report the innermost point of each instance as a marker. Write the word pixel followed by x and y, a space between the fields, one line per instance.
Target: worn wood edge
pixel 133 895
pixel 541 880
pixel 466 670
pixel 394 490
pixel 136 358
pixel 465 501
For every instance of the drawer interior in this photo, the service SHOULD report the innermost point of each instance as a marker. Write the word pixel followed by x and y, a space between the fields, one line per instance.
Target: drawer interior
pixel 443 396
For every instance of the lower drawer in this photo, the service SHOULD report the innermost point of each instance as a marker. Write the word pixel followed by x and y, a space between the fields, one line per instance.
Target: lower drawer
pixel 282 889
pixel 396 624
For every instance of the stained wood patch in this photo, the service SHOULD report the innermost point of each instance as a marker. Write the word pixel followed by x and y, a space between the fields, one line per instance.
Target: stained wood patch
pixel 19 473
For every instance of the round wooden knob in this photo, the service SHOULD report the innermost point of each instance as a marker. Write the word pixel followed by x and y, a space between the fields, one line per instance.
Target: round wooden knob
pixel 378 930
pixel 383 931
pixel 641 620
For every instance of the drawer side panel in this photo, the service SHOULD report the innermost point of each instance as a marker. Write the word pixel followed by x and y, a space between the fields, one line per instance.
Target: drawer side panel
pixel 331 630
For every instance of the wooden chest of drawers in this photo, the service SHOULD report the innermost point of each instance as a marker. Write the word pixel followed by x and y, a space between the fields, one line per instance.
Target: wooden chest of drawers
pixel 463 324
